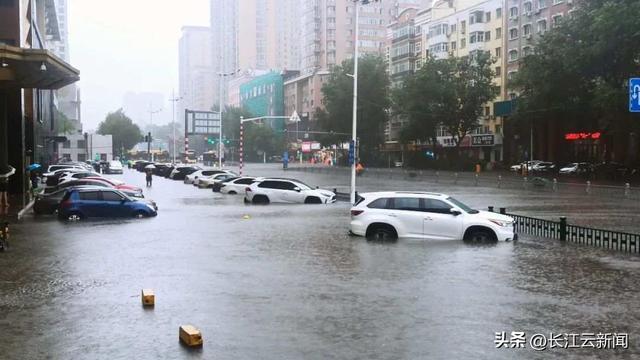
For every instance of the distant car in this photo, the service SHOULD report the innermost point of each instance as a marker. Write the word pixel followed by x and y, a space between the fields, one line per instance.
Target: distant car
pixel 433 216
pixel 193 177
pixel 180 172
pixel 275 190
pixel 576 169
pixel 48 203
pixel 209 181
pixel 77 176
pixel 53 168
pixel 52 178
pixel 115 167
pixel 118 184
pixel 217 184
pixel 99 182
pixel 528 164
pixel 544 167
pixel 239 185
pixel 81 203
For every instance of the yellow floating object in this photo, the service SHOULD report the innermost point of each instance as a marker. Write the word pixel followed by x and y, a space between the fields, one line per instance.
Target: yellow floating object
pixel 246 217
pixel 148 297
pixel 190 336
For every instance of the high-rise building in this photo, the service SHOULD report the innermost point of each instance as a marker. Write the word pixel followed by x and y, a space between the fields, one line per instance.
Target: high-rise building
pixel 224 42
pixel 197 74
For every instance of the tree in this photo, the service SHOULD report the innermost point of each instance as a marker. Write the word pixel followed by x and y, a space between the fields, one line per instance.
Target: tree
pixel 576 78
pixel 373 103
pixel 64 126
pixel 125 133
pixel 260 138
pixel 447 92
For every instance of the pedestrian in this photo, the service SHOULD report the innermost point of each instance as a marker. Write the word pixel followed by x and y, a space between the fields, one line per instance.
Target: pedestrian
pixel 149 173
pixel 33 175
pixel 4 197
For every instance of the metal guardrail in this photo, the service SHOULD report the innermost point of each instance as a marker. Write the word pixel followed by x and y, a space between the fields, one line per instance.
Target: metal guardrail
pixel 510 182
pixel 561 230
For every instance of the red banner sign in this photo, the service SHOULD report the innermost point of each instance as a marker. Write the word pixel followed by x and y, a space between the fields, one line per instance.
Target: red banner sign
pixel 583 136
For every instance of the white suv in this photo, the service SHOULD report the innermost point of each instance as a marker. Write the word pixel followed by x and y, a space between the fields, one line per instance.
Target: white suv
pixel 388 215
pixel 286 191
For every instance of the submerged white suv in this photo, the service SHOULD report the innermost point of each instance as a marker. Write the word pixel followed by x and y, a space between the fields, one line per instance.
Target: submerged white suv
pixel 425 215
pixel 274 190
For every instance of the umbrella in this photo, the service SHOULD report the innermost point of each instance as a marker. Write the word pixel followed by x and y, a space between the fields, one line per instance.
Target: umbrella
pixel 33 167
pixel 150 166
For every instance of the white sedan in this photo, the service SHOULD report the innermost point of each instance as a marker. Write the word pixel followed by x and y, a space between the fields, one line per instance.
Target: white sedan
pixel 276 190
pixel 194 177
pixel 239 185
pixel 433 216
pixel 206 182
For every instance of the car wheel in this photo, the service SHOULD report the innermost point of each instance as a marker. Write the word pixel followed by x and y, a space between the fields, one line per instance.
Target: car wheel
pixel 480 236
pixel 260 199
pixel 74 216
pixel 139 214
pixel 232 192
pixel 381 232
pixel 312 200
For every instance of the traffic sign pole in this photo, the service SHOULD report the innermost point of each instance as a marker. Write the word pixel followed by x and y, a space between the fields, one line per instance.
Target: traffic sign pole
pixel 634 94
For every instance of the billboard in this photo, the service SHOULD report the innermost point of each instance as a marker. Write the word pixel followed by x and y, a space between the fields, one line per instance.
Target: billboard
pixel 202 122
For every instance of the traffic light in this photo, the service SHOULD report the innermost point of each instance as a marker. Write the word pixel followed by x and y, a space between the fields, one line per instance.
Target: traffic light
pixel 148 138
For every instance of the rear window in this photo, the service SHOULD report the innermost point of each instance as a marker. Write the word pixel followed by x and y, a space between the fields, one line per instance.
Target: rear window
pixel 270 184
pixel 411 204
pixel 244 181
pixel 89 195
pixel 210 172
pixel 378 204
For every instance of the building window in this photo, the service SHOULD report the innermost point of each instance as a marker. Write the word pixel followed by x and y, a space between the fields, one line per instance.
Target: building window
pixel 66 144
pixel 453 45
pixel 487 16
pixel 499 33
pixel 542 4
pixel 513 12
pixel 556 2
pixel 81 144
pixel 498 71
pixel 526 30
pixel 477 36
pixel 527 50
pixel 487 112
pixel 513 33
pixel 556 20
pixel 498 52
pixel 487 36
pixel 498 13
pixel 463 27
pixel 498 130
pixel 418 47
pixel 67 157
pixel 463 43
pixel 476 17
pixel 513 55
pixel 528 7
pixel 82 157
pixel 511 74
pixel 542 26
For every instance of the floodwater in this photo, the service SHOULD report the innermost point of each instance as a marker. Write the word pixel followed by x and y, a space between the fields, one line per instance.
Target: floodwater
pixel 287 282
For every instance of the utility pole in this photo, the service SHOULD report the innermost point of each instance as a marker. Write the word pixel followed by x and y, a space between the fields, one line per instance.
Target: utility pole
pixel 151 112
pixel 173 100
pixel 355 105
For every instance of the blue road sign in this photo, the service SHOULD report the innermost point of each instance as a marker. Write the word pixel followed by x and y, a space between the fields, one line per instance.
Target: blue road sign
pixel 634 95
pixel 351 153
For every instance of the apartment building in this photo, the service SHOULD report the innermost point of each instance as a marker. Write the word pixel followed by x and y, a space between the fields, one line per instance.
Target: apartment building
pixel 196 73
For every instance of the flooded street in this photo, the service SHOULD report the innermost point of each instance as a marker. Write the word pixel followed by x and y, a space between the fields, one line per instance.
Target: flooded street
pixel 288 282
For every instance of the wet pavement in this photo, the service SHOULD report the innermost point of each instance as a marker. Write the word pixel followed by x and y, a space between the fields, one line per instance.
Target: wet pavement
pixel 287 282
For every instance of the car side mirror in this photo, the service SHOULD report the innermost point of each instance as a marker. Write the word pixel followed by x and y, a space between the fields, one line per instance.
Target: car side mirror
pixel 297 189
pixel 455 212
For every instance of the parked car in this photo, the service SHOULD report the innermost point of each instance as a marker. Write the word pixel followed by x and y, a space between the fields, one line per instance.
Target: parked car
pixel 544 167
pixel 180 172
pixel 217 184
pixel 118 184
pixel 53 168
pixel 209 181
pixel 576 169
pixel 99 182
pixel 76 176
pixel 166 172
pixel 238 185
pixel 141 164
pixel 48 203
pixel 160 169
pixel 433 216
pixel 528 164
pixel 274 190
pixel 115 167
pixel 81 203
pixel 52 178
pixel 193 177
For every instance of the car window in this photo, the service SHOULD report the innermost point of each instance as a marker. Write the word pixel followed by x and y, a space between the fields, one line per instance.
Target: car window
pixel 379 203
pixel 244 181
pixel 89 195
pixel 210 172
pixel 111 196
pixel 412 204
pixel 436 206
pixel 269 184
pixel 93 183
pixel 285 185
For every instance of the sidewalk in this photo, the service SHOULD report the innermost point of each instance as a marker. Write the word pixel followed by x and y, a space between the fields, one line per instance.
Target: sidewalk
pixel 16 210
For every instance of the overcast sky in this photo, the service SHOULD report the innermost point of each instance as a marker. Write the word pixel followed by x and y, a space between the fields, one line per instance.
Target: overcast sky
pixel 127 45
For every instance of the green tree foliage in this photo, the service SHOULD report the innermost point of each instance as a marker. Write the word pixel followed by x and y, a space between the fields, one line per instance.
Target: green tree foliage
pixel 373 103
pixel 448 92
pixel 64 126
pixel 577 76
pixel 259 138
pixel 125 133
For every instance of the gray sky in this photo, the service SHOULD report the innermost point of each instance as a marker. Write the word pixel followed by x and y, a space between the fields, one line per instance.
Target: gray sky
pixel 127 45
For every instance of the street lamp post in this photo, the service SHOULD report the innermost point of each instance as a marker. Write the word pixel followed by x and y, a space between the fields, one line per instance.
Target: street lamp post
pixel 173 100
pixel 151 112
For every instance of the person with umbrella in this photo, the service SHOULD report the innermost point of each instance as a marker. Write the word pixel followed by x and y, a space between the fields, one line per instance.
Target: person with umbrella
pixel 33 175
pixel 149 172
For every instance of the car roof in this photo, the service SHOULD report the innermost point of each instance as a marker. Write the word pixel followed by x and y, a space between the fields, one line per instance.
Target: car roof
pixel 401 193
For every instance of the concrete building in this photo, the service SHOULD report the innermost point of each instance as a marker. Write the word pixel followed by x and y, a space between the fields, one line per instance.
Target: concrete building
pixel 197 74
pixel 87 147
pixel 224 43
pixel 264 96
pixel 29 76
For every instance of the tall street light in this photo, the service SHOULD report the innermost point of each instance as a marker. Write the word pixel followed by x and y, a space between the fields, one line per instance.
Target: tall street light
pixel 355 98
pixel 173 100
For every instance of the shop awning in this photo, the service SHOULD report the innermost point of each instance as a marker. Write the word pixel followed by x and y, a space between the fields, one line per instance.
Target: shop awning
pixel 34 69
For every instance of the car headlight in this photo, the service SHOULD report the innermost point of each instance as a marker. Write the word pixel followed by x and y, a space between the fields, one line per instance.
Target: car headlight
pixel 501 222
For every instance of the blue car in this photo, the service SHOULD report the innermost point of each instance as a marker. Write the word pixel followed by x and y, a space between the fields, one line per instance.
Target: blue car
pixel 82 203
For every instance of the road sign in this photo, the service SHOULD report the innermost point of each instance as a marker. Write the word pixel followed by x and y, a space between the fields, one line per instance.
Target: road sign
pixel 351 153
pixel 294 117
pixel 634 95
pixel 202 122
